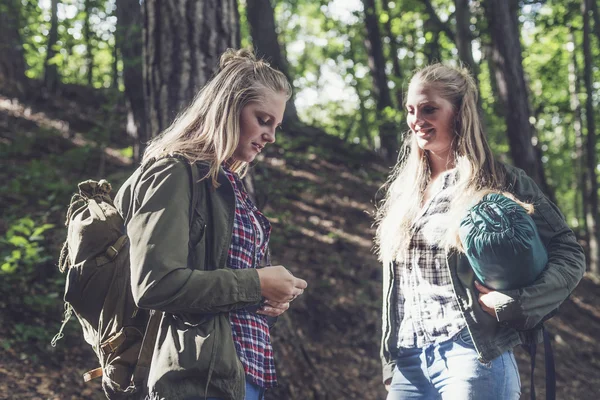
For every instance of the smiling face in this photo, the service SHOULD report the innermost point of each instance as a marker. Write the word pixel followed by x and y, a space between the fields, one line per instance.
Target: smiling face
pixel 258 122
pixel 430 117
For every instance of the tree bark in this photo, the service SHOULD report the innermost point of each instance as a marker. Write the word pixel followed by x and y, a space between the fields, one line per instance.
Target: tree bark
pixel 87 34
pixel 579 184
pixel 464 37
pixel 183 41
pixel 593 215
pixel 12 61
pixel 594 7
pixel 387 131
pixel 261 20
pixel 398 75
pixel 50 69
pixel 129 42
pixel 432 47
pixel 512 89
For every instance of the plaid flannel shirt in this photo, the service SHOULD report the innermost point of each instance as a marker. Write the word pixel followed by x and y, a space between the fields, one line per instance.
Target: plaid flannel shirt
pixel 251 231
pixel 428 309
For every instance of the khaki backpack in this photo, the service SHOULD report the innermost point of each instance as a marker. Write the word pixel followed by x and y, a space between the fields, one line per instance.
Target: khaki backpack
pixel 95 257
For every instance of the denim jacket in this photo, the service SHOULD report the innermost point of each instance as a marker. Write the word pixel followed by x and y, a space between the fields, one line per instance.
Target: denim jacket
pixel 521 315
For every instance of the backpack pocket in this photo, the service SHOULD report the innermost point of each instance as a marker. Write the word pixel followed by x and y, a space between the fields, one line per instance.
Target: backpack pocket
pixel 120 354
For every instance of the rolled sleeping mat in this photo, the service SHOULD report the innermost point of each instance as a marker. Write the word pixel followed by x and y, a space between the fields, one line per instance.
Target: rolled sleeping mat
pixel 502 243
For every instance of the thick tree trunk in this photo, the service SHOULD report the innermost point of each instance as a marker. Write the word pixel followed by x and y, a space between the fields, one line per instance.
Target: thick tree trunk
pixel 593 215
pixel 263 30
pixel 512 90
pixel 183 41
pixel 387 131
pixel 129 42
pixel 50 69
pixel 87 34
pixel 12 61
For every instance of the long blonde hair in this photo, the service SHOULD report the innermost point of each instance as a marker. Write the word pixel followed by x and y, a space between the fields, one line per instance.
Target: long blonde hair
pixel 209 128
pixel 476 169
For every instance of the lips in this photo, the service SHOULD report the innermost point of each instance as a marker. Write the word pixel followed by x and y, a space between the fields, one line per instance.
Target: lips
pixel 425 132
pixel 258 147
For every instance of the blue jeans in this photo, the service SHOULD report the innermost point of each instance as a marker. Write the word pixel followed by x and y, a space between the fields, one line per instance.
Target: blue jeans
pixel 451 370
pixel 253 392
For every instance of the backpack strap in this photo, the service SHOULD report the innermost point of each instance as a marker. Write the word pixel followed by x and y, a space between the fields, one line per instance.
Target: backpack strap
pixel 550 370
pixel 142 368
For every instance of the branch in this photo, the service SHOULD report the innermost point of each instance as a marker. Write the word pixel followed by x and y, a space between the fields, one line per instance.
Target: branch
pixel 444 27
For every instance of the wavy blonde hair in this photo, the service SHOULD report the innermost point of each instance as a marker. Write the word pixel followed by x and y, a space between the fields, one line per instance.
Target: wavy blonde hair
pixel 477 170
pixel 209 128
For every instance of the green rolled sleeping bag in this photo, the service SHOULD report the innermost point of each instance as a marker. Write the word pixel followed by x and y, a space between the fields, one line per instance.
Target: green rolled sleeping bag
pixel 502 243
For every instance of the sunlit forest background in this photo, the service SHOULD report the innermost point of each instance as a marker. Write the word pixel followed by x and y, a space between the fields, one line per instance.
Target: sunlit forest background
pixel 84 84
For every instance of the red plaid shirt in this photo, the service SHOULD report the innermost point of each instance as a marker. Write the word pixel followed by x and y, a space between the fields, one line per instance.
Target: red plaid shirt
pixel 250 330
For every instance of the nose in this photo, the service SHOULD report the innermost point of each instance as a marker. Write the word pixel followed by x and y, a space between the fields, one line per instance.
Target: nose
pixel 269 135
pixel 416 119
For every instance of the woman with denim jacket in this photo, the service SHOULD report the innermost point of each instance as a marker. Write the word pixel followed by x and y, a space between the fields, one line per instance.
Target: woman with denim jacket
pixel 444 335
pixel 213 341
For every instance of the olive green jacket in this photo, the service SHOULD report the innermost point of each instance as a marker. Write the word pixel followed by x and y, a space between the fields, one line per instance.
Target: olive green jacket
pixel 194 354
pixel 526 307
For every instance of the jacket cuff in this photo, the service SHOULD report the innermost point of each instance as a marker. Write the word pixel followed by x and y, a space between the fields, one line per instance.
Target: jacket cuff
pixel 510 309
pixel 388 371
pixel 249 285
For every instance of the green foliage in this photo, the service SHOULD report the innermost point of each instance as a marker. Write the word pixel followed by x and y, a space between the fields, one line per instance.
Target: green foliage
pixel 71 48
pixel 22 248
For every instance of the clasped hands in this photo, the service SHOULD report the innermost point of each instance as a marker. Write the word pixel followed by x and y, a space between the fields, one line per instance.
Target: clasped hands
pixel 279 287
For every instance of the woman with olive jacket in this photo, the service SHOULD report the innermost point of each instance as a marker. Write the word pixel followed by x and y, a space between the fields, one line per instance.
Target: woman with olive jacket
pixel 444 335
pixel 213 341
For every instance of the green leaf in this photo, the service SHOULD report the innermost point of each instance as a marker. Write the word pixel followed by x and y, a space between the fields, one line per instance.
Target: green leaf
pixel 41 229
pixel 18 241
pixel 8 267
pixel 16 254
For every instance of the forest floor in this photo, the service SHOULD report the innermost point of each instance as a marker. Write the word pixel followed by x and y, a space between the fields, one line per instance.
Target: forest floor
pixel 319 194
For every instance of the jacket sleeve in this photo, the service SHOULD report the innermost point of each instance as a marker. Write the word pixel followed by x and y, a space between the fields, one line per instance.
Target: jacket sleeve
pixel 387 361
pixel 527 306
pixel 158 229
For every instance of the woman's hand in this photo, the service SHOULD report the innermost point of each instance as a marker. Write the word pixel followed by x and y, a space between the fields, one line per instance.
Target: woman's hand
pixel 278 285
pixel 489 298
pixel 273 308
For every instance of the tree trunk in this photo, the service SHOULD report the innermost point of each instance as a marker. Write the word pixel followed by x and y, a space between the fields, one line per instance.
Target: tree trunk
pixel 594 7
pixel 183 41
pixel 50 69
pixel 129 41
pixel 87 34
pixel 593 216
pixel 579 166
pixel 387 131
pixel 398 75
pixel 12 61
pixel 114 83
pixel 510 81
pixel 464 37
pixel 263 30
pixel 432 47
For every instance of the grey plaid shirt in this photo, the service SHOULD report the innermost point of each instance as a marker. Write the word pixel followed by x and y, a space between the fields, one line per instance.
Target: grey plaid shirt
pixel 427 305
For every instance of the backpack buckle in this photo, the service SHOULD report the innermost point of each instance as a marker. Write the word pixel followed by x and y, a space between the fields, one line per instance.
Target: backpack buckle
pixel 111 252
pixel 113 343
